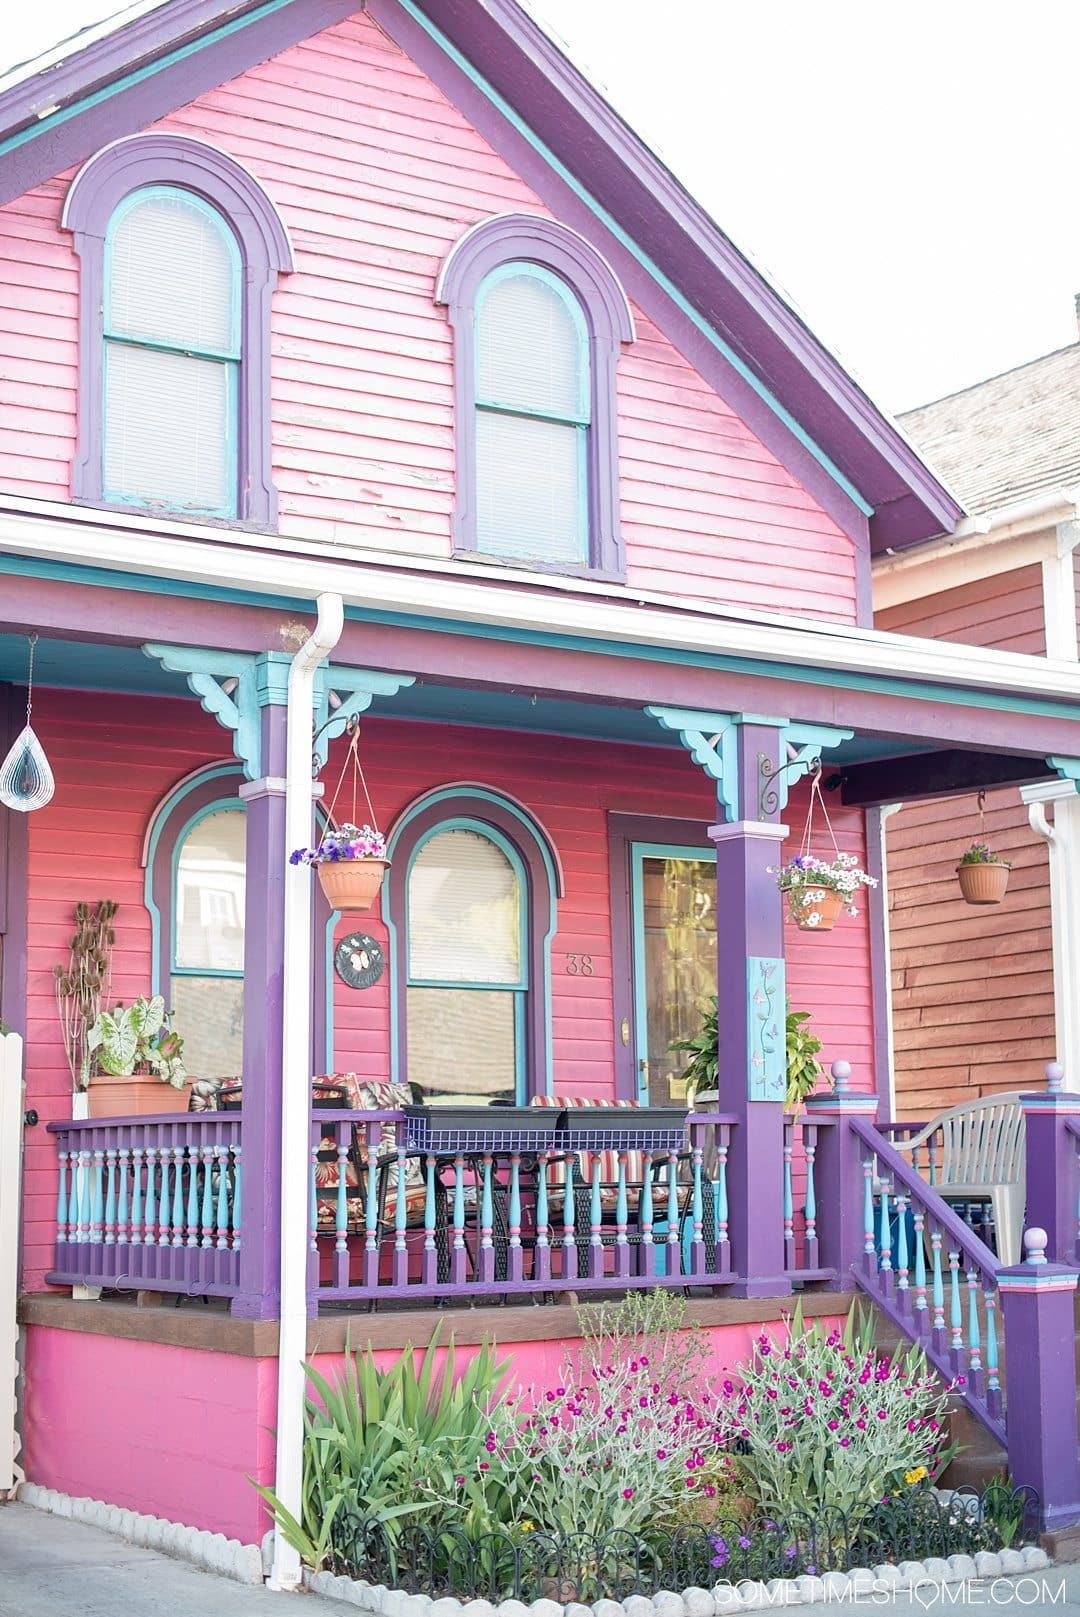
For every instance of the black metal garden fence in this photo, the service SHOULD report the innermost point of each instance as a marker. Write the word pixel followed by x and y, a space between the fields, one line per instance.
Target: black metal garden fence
pixel 530 1564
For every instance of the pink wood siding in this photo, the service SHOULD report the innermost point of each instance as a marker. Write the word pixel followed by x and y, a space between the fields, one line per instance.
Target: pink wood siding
pixel 115 758
pixel 377 174
pixel 973 988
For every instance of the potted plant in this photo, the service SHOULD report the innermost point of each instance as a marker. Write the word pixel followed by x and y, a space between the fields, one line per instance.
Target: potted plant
pixel 804 1070
pixel 136 1051
pixel 983 875
pixel 818 891
pixel 350 862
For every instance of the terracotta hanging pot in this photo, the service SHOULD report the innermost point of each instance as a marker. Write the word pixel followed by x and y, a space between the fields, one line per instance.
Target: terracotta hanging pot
pixel 815 909
pixel 984 882
pixel 352 884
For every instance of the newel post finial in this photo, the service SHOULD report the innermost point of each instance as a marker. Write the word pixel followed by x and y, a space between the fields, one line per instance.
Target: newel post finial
pixel 1035 1245
pixel 841 1072
pixel 1055 1078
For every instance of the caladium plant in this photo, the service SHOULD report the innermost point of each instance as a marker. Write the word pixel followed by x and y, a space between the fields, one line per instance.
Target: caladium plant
pixel 138 1038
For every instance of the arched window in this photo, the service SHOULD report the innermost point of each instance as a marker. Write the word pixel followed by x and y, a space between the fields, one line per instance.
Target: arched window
pixel 206 982
pixel 470 907
pixel 538 321
pixel 180 250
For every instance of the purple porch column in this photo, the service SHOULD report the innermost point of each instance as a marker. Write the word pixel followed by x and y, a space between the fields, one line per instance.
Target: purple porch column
pixel 839 1180
pixel 1037 1300
pixel 264 944
pixel 750 998
pixel 1052 1176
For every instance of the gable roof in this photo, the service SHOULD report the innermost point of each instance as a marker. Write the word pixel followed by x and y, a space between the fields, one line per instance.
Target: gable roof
pixel 1009 438
pixel 165 57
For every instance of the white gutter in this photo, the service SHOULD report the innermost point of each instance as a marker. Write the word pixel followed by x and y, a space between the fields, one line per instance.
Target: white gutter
pixel 989 527
pixel 502 604
pixel 296 1081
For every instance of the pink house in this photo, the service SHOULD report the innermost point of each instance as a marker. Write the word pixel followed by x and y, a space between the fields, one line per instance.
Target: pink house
pixel 363 367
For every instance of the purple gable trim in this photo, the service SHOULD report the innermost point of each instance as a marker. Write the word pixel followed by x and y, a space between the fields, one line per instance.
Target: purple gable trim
pixel 533 239
pixel 518 60
pixel 14 861
pixel 94 194
pixel 526 840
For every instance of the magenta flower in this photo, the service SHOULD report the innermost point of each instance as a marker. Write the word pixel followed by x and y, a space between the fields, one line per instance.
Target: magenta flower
pixel 628 1493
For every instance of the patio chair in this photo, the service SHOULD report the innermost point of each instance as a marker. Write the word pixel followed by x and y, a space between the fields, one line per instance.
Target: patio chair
pixel 981 1157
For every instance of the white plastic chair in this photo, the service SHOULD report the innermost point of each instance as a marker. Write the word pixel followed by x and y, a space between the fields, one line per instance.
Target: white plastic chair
pixel 981 1153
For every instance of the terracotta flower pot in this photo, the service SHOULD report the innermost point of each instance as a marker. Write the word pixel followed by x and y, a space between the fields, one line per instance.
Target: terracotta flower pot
pixel 983 883
pixel 136 1096
pixel 352 884
pixel 815 909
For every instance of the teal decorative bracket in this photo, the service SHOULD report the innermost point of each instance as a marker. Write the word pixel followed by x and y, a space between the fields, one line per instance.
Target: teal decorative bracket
pixel 1067 768
pixel 225 683
pixel 806 742
pixel 711 739
pixel 353 689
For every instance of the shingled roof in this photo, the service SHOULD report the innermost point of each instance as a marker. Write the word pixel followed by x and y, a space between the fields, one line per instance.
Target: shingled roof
pixel 1006 439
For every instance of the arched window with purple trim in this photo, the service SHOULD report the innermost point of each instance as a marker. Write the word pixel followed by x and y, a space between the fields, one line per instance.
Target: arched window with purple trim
pixel 180 250
pixel 538 320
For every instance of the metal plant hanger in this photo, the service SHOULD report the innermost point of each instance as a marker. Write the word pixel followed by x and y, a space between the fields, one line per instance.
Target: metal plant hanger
pixel 26 781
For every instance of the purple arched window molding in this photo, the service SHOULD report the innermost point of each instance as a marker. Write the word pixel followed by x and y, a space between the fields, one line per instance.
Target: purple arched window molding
pixel 529 239
pixel 93 196
pixel 544 887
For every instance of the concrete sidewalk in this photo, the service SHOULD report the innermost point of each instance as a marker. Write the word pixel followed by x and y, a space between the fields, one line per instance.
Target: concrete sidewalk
pixel 49 1566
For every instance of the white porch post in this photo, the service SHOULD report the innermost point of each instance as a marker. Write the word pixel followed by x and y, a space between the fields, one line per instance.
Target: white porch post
pixel 11 1125
pixel 1063 837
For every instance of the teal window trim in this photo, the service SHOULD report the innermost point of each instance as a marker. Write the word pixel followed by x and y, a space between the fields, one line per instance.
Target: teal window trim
pixel 639 852
pixel 229 358
pixel 580 420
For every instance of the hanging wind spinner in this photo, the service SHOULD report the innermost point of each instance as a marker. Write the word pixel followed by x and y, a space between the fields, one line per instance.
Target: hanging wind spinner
pixel 26 781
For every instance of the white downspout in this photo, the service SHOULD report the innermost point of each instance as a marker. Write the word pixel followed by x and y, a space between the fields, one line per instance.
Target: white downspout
pixel 296 1081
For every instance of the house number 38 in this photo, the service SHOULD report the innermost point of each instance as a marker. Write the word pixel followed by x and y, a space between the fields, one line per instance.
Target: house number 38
pixel 579 965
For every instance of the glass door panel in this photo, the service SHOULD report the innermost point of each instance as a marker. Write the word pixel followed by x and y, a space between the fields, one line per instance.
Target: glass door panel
pixel 674 916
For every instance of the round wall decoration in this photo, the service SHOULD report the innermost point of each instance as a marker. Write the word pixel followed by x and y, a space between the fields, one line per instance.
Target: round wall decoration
pixel 359 961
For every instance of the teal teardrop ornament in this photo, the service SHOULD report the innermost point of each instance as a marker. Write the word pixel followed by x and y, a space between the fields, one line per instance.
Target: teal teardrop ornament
pixel 26 781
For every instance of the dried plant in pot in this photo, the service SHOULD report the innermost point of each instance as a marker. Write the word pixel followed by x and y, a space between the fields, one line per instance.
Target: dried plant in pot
pixel 983 875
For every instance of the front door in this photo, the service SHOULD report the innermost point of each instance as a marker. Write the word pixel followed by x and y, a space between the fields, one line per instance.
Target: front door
pixel 673 948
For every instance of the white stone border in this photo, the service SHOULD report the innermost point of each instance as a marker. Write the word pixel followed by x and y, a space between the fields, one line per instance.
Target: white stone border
pixel 212 1552
pixel 748 1595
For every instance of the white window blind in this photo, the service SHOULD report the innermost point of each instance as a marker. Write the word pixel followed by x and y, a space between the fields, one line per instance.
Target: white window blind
pixel 532 419
pixel 172 351
pixel 210 881
pixel 462 1043
pixel 464 912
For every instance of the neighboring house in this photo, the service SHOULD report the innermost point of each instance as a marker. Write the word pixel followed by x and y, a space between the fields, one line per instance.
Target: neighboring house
pixel 379 327
pixel 983 998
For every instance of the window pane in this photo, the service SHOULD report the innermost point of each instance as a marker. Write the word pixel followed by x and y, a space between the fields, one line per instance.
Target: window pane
pixel 464 911
pixel 209 1017
pixel 210 894
pixel 530 488
pixel 169 429
pixel 461 1044
pixel 529 348
pixel 172 271
pixel 680 962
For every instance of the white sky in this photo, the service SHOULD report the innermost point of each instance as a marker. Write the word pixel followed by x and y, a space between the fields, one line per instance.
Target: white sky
pixel 904 170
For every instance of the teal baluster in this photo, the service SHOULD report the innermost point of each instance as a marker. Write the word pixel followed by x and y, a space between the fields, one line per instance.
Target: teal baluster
pixel 178 1196
pixel 62 1199
pixel 400 1267
pixel 931 1151
pixel 993 1383
pixel 237 1205
pixel 123 1229
pixel 622 1218
pixel 457 1269
pixel 82 1191
pixel 938 1287
pixel 137 1195
pixel 543 1219
pixel 596 1246
pixel 974 1343
pixel 810 1204
pixel 514 1260
pixel 956 1313
pixel 722 1216
pixel 206 1215
pixel 789 1208
pixel 97 1200
pixel 902 1257
pixel 919 1220
pixel 429 1206
pixel 341 1212
pixel 674 1255
pixel 868 1216
pixel 150 1216
pixel 193 1196
pixel 164 1197
pixel 697 1214
pixel 647 1215
pixel 885 1235
pixel 371 1211
pixel 110 1197
pixel 487 1221
pixel 569 1248
pixel 221 1216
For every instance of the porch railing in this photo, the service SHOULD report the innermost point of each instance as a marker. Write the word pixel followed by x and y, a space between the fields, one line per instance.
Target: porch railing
pixel 529 1213
pixel 802 1258
pixel 150 1203
pixel 930 1272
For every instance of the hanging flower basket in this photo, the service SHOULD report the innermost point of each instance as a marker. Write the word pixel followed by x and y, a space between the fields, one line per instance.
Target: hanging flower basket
pixel 982 875
pixel 352 884
pixel 818 891
pixel 814 908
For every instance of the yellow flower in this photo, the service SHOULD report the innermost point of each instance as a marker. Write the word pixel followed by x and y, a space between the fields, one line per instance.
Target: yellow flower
pixel 917 1475
pixel 530 1527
